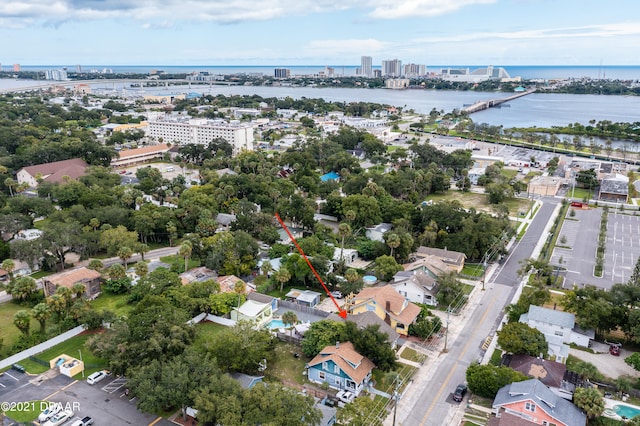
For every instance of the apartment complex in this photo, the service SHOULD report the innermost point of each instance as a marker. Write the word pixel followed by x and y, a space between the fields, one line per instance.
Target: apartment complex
pixel 392 68
pixel 414 70
pixel 201 131
pixel 282 73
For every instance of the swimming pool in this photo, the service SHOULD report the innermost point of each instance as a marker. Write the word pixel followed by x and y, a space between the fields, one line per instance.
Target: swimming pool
pixel 369 279
pixel 626 411
pixel 275 323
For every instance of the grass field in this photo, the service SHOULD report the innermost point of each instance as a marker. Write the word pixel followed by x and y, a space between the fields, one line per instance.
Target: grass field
pixel 480 202
pixel 8 331
pixel 116 303
pixel 74 347
pixel 285 367
pixel 206 331
pixel 27 412
pixel 177 262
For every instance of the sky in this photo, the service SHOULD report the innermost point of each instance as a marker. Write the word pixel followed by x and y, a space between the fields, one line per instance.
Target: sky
pixel 319 32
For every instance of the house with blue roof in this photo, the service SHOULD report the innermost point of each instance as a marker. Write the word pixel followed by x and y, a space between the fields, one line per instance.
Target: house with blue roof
pixel 341 367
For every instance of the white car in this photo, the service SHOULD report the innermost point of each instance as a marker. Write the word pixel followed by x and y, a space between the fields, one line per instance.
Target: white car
pixel 59 418
pixel 345 396
pixel 337 294
pixel 49 412
pixel 97 376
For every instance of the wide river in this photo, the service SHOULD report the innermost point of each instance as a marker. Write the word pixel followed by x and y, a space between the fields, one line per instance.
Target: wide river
pixel 540 110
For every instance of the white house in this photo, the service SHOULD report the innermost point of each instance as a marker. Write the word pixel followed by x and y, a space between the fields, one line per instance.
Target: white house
pixel 418 287
pixel 251 310
pixel 559 329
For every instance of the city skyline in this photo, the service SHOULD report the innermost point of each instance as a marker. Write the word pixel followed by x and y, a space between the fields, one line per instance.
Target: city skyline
pixel 244 32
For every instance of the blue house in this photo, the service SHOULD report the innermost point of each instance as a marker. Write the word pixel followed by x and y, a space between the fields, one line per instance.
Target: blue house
pixel 341 367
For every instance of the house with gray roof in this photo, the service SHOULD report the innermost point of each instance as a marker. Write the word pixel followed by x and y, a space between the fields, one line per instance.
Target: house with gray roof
pixel 531 401
pixel 559 329
pixel 453 259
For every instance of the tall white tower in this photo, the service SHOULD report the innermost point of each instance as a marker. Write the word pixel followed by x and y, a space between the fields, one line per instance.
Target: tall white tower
pixel 366 66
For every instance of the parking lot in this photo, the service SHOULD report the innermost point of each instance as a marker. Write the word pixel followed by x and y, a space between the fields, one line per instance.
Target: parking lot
pixel 107 401
pixel 578 252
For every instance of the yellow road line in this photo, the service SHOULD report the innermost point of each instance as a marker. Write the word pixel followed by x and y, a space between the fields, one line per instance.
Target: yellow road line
pixel 464 350
pixel 60 390
pixel 155 421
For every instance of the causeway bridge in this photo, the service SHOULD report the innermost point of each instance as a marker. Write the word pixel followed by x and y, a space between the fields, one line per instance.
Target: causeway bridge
pixel 482 105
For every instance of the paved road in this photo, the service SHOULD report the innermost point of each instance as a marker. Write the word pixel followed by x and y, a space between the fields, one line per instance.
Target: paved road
pixel 153 254
pixel 429 400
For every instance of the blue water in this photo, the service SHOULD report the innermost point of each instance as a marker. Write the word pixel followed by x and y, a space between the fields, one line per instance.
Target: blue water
pixel 369 279
pixel 623 72
pixel 626 411
pixel 275 323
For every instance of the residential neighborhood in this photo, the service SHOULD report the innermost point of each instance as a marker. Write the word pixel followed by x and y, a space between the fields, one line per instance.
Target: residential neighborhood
pixel 234 260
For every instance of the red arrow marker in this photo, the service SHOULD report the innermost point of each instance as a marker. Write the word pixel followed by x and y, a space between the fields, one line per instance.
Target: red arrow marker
pixel 341 311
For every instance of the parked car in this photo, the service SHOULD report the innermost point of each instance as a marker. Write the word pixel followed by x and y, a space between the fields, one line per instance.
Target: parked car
pixel 345 396
pixel 86 421
pixel 59 418
pixel 459 393
pixel 49 412
pixel 97 376
pixel 18 368
pixel 337 294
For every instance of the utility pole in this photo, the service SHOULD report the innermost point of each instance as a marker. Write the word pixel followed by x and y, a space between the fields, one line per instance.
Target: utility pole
pixel 80 352
pixel 395 398
pixel 446 330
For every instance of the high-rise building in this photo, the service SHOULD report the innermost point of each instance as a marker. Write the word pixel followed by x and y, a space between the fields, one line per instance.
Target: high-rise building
pixel 58 75
pixel 414 70
pixel 282 73
pixel 392 68
pixel 366 66
pixel 78 68
pixel 16 67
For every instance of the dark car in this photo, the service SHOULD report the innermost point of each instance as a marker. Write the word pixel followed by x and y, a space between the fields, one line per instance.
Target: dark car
pixel 459 393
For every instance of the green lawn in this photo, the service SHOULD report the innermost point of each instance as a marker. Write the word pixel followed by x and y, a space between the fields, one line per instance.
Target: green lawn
pixel 177 262
pixel 412 355
pixel 480 201
pixel 206 331
pixel 580 194
pixel 116 303
pixel 509 173
pixel 73 347
pixel 473 270
pixel 27 412
pixel 285 367
pixel 8 331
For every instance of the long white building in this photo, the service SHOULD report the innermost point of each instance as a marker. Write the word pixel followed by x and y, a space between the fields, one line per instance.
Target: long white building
pixel 202 131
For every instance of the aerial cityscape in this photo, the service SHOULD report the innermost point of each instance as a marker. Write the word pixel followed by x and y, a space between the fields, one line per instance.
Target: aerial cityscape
pixel 414 213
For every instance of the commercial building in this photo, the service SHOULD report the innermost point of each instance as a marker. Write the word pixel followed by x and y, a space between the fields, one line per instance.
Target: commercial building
pixel 144 154
pixel 200 131
pixel 414 70
pixel 56 172
pixel 480 74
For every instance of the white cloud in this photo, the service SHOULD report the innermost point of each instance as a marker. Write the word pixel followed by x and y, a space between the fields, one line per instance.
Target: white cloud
pixel 20 13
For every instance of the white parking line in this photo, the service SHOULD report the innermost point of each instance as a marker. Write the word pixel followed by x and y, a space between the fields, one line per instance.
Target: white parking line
pixel 14 378
pixel 2 385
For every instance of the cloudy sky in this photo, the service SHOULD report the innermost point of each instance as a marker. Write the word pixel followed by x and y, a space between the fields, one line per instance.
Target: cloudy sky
pixel 319 32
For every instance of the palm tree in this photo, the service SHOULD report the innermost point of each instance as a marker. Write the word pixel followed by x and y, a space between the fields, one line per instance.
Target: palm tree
pixel 8 265
pixel 590 401
pixel 23 288
pixel 266 267
pixel 282 276
pixel 22 320
pixel 124 253
pixel 10 183
pixel 78 289
pixel 57 304
pixel 141 268
pixel 116 271
pixel 65 293
pixel 393 241
pixel 344 230
pixel 41 313
pixel 240 287
pixel 289 318
pixel 186 249
pixel 96 265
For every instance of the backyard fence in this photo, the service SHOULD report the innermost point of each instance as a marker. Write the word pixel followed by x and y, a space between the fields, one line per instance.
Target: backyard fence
pixel 301 308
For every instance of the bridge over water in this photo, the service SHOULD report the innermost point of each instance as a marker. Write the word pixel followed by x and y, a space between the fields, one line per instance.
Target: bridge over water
pixel 482 105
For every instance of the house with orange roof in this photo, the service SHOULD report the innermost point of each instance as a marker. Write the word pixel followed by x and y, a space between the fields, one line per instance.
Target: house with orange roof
pixel 388 305
pixel 145 154
pixel 88 277
pixel 56 172
pixel 341 367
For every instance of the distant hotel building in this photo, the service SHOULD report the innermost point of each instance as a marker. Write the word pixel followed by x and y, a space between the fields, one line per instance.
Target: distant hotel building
pixel 481 74
pixel 16 67
pixel 202 131
pixel 282 73
pixel 392 68
pixel 415 70
pixel 366 66
pixel 78 68
pixel 57 75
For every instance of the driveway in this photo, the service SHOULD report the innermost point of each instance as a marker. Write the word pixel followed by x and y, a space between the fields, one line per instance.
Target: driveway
pixel 609 365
